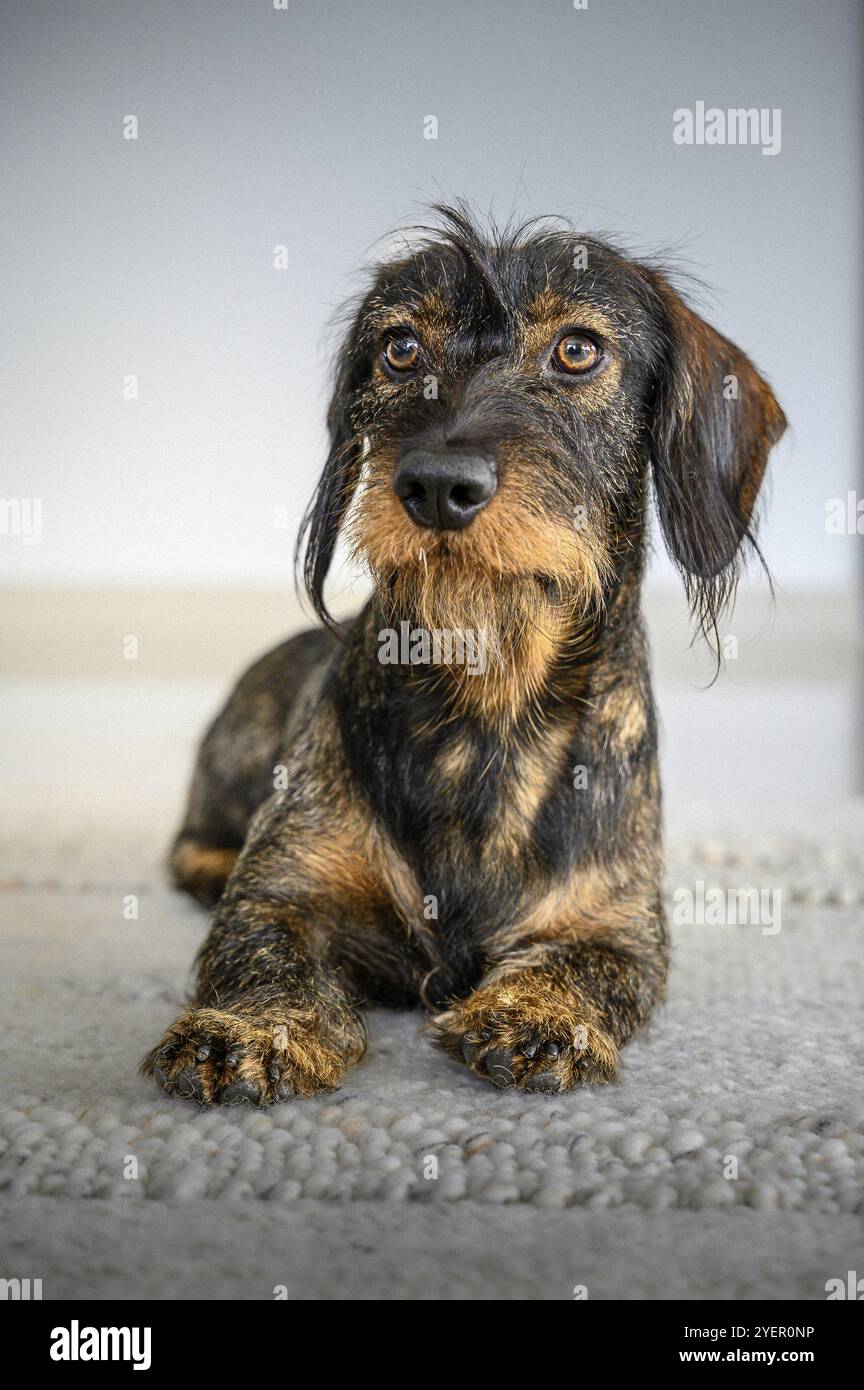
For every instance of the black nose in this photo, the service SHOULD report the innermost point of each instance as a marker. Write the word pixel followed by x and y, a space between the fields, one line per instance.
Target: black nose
pixel 443 488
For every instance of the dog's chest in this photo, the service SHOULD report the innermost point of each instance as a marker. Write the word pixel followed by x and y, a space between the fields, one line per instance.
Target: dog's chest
pixel 482 839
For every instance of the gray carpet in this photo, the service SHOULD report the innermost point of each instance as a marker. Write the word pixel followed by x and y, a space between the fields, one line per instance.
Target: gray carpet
pixel 110 1189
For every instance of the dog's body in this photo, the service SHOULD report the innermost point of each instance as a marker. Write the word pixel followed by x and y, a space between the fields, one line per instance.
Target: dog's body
pixel 486 842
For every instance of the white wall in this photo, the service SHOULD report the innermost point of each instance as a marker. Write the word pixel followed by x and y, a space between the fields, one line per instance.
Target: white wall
pixel 304 127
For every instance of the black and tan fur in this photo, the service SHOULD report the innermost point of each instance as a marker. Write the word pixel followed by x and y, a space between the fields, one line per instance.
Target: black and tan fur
pixel 404 786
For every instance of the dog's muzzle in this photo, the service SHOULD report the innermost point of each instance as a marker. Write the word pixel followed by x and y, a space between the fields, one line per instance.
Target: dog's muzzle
pixel 443 488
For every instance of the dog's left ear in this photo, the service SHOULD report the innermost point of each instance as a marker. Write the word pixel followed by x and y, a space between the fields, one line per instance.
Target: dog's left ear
pixel 715 421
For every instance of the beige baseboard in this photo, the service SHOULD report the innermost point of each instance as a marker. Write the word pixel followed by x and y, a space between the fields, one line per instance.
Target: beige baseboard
pixel 57 633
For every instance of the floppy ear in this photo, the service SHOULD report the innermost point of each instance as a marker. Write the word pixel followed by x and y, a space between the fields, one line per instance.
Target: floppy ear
pixel 326 511
pixel 715 422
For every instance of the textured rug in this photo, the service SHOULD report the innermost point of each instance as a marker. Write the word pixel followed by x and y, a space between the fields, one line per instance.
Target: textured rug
pixel 727 1162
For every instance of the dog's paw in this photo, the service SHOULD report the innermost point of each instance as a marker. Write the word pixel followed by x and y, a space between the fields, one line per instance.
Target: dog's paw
pixel 518 1033
pixel 221 1058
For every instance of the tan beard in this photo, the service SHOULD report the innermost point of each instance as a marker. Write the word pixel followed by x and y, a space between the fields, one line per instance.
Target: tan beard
pixel 520 626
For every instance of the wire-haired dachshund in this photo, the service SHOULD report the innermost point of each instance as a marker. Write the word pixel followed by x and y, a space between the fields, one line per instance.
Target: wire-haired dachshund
pixel 454 798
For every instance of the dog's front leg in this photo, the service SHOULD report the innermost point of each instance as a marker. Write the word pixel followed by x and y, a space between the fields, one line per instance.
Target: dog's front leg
pixel 272 1019
pixel 552 1017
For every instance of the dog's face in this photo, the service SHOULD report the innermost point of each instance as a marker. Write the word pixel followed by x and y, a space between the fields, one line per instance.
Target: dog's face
pixel 498 402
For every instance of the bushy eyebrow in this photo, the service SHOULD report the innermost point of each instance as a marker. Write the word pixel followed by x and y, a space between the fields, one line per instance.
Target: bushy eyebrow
pixel 553 309
pixel 382 317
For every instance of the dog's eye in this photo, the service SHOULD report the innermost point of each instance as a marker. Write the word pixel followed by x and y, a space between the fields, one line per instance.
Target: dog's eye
pixel 402 353
pixel 574 354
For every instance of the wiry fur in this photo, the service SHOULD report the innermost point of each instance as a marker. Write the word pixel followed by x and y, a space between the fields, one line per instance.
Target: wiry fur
pixel 431 841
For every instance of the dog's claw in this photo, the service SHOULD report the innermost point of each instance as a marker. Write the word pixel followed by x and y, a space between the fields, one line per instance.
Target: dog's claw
pixel 187 1085
pixel 240 1093
pixel 499 1067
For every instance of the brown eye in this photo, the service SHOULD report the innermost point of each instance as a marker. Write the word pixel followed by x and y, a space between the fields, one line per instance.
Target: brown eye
pixel 402 353
pixel 574 353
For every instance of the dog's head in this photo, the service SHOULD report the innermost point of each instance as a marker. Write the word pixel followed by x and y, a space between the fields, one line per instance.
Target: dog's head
pixel 499 401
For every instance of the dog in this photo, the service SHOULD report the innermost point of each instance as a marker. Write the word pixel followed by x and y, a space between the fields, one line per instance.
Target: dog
pixel 480 838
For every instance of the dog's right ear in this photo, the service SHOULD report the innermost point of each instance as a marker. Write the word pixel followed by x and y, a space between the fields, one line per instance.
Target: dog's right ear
pixel 715 422
pixel 326 512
